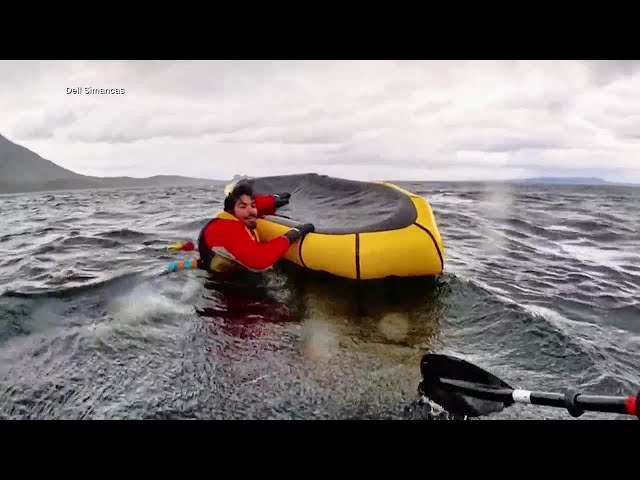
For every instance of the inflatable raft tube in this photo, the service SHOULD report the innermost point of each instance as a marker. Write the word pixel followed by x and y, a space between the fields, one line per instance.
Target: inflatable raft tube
pixel 364 230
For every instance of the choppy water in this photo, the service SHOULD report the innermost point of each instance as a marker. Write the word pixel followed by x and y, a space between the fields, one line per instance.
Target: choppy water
pixel 542 288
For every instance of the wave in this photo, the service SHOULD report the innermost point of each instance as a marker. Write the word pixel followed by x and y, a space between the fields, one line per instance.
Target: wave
pixel 118 282
pixel 124 234
pixel 541 285
pixel 527 333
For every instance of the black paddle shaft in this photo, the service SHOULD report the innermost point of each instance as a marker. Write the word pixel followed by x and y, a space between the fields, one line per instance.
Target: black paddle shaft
pixel 576 403
pixel 461 387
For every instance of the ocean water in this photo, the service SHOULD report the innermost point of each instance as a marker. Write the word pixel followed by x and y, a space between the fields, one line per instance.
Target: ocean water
pixel 542 288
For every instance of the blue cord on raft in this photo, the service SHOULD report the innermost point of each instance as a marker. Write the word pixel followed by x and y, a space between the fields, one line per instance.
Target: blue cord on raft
pixel 188 264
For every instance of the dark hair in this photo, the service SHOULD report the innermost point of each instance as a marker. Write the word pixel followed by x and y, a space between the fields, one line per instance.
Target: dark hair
pixel 238 191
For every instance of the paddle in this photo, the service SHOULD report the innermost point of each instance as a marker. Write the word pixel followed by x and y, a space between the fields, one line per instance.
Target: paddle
pixel 462 388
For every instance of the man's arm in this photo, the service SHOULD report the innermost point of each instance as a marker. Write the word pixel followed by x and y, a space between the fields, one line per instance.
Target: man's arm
pixel 231 239
pixel 268 204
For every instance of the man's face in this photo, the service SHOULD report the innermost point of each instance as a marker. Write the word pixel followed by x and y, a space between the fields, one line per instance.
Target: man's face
pixel 246 211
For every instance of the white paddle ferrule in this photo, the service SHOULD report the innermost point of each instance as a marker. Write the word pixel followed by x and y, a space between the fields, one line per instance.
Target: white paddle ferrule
pixel 521 396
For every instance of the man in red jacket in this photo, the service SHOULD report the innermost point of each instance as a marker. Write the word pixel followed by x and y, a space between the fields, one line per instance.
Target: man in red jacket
pixel 230 240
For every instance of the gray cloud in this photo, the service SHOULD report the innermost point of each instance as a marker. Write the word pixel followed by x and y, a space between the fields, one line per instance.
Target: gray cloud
pixel 629 128
pixel 43 124
pixel 442 120
pixel 605 71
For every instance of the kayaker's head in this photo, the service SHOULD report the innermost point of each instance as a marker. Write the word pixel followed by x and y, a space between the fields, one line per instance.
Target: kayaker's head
pixel 241 203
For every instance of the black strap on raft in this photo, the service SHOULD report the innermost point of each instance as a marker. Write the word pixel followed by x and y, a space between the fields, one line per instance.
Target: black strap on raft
pixel 206 255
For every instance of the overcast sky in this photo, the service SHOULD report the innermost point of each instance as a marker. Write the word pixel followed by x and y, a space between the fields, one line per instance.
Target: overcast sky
pixel 422 120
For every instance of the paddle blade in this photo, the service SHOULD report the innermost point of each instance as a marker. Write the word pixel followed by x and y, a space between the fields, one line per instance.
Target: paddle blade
pixel 472 400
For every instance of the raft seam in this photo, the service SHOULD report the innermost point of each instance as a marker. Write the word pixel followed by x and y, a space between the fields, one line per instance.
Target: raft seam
pixel 300 252
pixel 357 256
pixel 434 243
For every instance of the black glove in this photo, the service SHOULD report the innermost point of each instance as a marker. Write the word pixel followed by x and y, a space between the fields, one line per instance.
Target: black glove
pixel 299 232
pixel 281 199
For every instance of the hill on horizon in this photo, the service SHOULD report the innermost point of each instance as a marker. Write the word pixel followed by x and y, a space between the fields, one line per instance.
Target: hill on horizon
pixel 22 170
pixel 570 181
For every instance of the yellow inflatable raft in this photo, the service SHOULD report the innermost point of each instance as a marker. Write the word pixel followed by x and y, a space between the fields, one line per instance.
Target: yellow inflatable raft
pixel 364 230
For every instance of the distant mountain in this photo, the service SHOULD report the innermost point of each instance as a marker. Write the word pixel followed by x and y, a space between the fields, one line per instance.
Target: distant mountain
pixel 569 181
pixel 22 170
